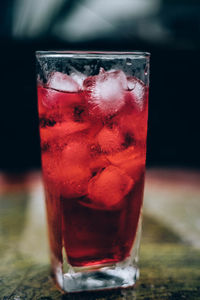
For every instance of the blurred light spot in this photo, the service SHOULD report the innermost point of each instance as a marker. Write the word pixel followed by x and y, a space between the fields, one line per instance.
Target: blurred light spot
pixel 84 23
pixel 97 17
pixel 32 17
pixel 153 30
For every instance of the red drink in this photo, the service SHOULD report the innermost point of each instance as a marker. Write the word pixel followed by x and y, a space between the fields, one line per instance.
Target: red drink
pixel 93 141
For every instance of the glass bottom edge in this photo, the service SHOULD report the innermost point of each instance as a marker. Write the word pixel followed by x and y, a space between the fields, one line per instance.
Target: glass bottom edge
pixel 104 278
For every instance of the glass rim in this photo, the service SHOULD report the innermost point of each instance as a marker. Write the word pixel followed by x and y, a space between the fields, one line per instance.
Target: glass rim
pixel 92 54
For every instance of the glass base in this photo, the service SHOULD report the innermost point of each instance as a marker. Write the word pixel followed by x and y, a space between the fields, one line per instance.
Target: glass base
pixel 122 274
pixel 115 276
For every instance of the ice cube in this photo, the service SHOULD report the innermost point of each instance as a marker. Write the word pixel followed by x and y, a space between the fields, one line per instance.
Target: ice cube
pixel 47 99
pixel 119 157
pixel 76 152
pixel 71 180
pixel 75 172
pixel 74 181
pixel 78 78
pixel 53 99
pixel 110 139
pixel 134 167
pixel 106 91
pixel 131 161
pixel 107 189
pixel 68 169
pixel 62 82
pixel 60 131
pixel 137 90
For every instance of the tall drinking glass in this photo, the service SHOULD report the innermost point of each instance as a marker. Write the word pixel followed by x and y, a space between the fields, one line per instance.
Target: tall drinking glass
pixel 93 109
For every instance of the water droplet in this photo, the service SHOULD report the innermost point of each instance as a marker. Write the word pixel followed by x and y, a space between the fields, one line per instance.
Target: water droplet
pixel 128 62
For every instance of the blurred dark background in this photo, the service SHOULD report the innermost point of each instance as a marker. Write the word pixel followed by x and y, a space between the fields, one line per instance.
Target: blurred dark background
pixel 169 29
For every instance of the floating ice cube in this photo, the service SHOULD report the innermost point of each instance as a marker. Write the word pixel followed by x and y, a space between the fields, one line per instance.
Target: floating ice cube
pixel 50 98
pixel 78 78
pixel 106 91
pixel 137 90
pixel 107 189
pixel 62 82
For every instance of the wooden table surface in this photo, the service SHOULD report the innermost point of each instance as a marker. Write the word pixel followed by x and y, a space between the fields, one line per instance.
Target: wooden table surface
pixel 170 247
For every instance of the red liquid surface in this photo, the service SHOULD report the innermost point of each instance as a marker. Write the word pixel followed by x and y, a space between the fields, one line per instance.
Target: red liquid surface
pixel 93 162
